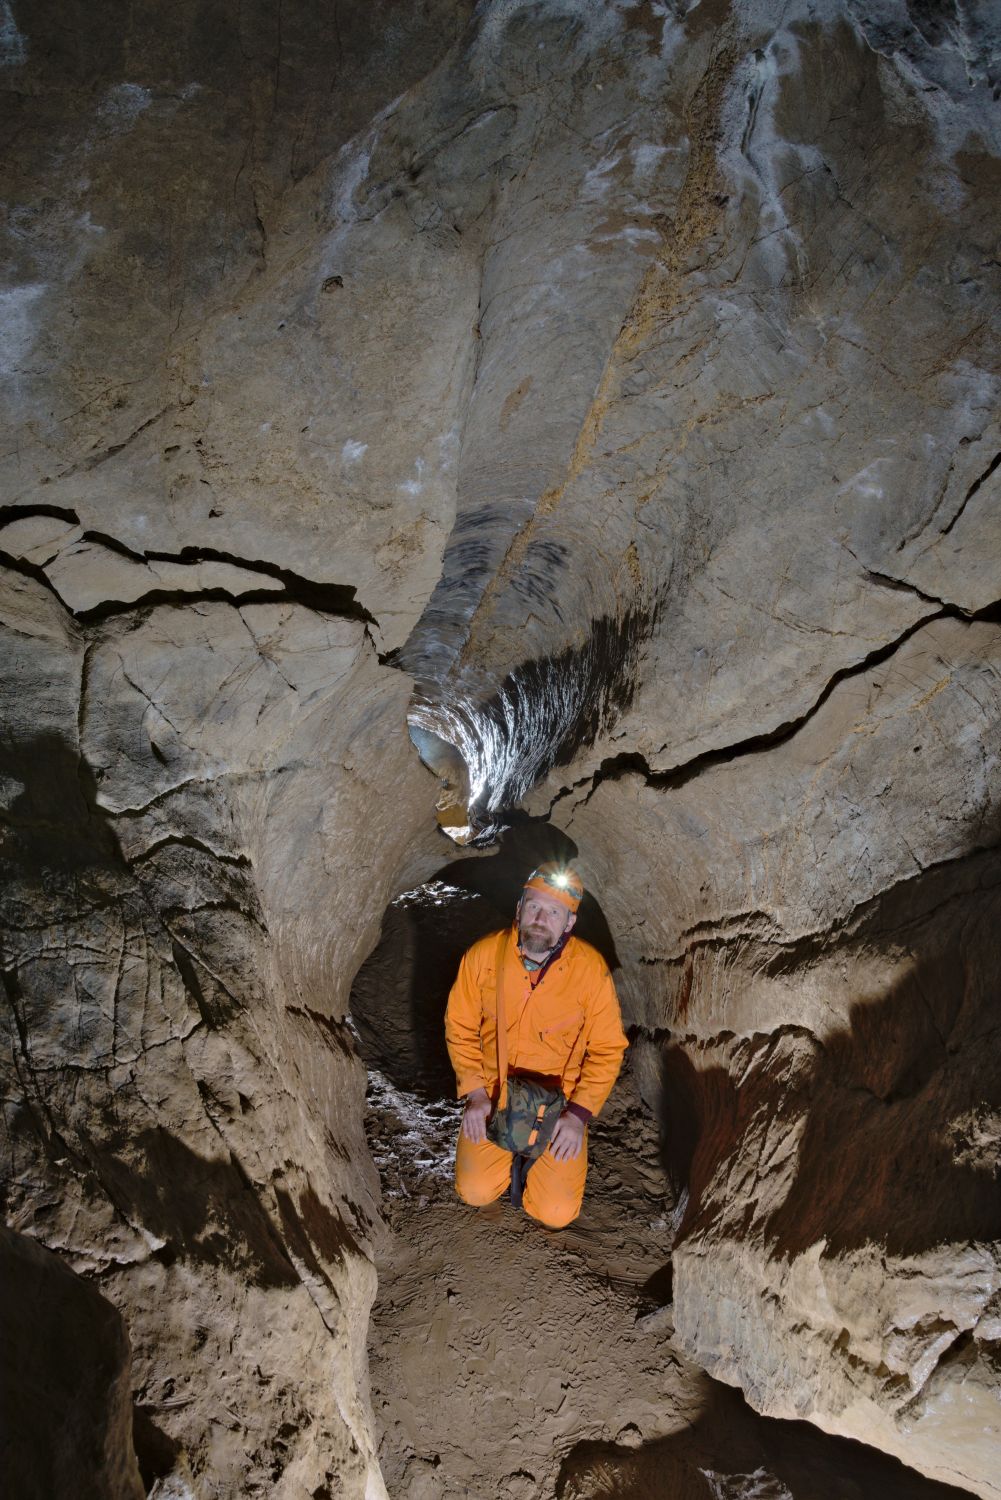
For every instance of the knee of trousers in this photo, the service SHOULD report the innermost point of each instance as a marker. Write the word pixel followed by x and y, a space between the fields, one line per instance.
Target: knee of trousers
pixel 476 1192
pixel 554 1214
pixel 481 1176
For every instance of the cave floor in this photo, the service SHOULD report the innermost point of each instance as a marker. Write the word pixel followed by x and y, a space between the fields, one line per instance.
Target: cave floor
pixel 498 1346
pixel 509 1362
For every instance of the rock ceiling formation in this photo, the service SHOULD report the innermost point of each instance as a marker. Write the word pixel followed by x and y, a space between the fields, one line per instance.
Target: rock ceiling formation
pixel 614 388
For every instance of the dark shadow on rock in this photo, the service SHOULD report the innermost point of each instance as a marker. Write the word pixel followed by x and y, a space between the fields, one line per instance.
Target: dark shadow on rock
pixel 204 1211
pixel 399 995
pixel 698 1111
pixel 65 1419
pixel 730 1450
pixel 902 1108
pixel 659 1288
pixel 313 1229
pixel 54 822
pixel 156 1451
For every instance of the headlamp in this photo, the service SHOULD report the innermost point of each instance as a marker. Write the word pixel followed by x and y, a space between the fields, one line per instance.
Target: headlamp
pixel 561 881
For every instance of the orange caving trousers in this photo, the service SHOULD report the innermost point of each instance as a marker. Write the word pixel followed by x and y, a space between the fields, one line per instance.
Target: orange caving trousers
pixel 554 1189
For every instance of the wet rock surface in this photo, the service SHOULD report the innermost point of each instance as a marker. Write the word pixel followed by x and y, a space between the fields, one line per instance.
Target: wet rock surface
pixel 627 374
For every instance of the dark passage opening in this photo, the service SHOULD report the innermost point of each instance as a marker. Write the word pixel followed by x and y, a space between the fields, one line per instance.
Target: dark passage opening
pixel 399 995
pixel 455 1281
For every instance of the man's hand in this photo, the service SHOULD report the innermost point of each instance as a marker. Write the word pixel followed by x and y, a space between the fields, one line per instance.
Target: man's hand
pixel 568 1137
pixel 476 1115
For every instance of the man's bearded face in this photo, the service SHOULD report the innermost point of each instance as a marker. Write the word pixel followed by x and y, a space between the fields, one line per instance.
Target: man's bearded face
pixel 543 922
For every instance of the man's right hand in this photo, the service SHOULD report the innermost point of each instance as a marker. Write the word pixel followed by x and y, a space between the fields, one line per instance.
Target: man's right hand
pixel 476 1115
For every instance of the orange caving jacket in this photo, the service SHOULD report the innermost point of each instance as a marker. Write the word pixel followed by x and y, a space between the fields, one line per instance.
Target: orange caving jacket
pixel 566 1026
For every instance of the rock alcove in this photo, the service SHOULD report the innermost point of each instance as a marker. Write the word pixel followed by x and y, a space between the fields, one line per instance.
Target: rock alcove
pixel 598 402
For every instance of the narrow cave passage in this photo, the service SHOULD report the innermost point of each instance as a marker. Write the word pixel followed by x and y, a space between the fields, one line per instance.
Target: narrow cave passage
pixel 497 1346
pixel 610 391
pixel 510 1361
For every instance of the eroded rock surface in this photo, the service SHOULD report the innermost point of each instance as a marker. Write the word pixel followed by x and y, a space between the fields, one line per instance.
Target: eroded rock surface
pixel 514 1362
pixel 628 374
pixel 184 788
pixel 756 616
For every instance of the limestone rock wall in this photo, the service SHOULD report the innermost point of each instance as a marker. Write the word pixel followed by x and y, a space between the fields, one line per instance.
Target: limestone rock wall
pixel 208 792
pixel 190 799
pixel 756 626
pixel 626 373
pixel 823 1054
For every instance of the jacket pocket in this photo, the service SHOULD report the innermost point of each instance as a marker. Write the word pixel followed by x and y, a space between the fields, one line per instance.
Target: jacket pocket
pixel 564 1024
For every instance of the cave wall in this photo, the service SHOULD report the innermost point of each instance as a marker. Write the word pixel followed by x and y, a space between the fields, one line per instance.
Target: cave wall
pixel 189 794
pixel 199 730
pixel 627 374
pixel 65 1353
pixel 756 683
pixel 822 1033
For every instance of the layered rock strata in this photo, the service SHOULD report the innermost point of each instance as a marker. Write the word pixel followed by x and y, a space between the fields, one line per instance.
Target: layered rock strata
pixel 628 374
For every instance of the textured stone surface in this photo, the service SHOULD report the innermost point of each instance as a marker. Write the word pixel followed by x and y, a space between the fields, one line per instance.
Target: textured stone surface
pixel 186 796
pixel 816 924
pixel 67 1403
pixel 606 1403
pixel 189 335
pixel 628 374
pixel 755 618
pixel 752 483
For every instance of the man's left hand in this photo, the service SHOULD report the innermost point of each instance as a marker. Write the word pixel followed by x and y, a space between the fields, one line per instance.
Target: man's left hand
pixel 568 1137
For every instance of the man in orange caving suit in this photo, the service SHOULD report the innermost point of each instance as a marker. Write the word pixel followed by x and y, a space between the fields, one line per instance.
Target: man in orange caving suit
pixel 563 1027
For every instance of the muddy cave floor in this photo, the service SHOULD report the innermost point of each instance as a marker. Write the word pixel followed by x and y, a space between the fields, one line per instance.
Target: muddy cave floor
pixel 513 1363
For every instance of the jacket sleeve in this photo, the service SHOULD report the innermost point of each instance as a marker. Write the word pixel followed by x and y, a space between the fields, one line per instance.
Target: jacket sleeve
pixel 463 1015
pixel 606 1042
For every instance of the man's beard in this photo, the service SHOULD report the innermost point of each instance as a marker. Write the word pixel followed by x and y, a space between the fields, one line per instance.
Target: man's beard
pixel 537 940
